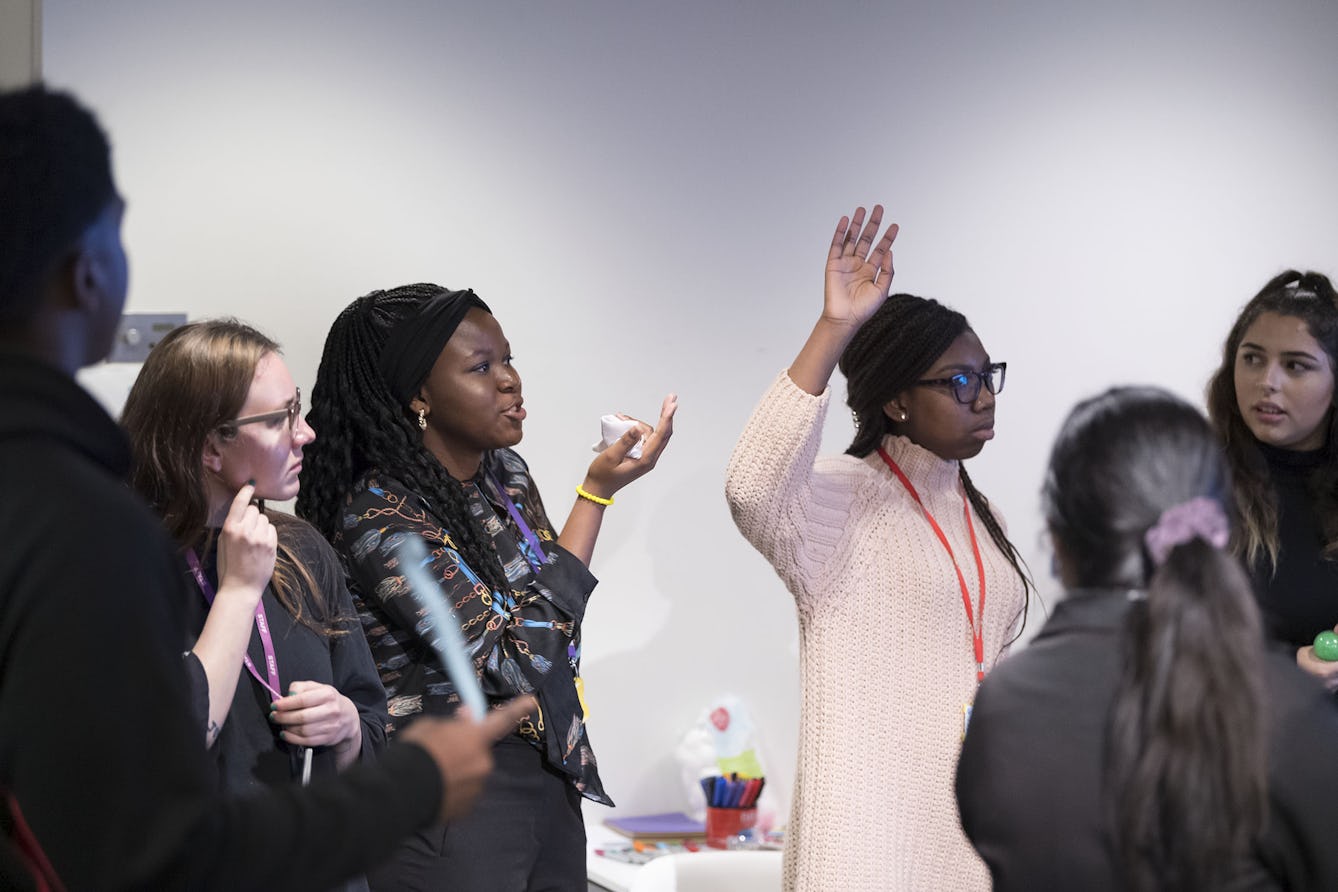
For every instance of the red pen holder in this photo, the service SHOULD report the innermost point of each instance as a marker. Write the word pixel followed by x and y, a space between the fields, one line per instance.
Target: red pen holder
pixel 725 824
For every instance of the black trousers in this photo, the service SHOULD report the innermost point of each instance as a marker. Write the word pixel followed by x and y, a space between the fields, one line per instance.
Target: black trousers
pixel 525 834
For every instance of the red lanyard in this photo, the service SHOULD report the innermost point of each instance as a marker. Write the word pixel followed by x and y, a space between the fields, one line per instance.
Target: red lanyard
pixel 977 628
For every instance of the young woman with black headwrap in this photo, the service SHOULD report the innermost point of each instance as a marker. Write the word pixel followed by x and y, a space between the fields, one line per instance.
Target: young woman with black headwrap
pixel 418 406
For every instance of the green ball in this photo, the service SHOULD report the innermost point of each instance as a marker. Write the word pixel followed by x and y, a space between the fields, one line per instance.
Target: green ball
pixel 1326 646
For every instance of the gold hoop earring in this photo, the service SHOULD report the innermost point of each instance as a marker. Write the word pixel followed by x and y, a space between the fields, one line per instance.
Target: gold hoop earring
pixel 422 419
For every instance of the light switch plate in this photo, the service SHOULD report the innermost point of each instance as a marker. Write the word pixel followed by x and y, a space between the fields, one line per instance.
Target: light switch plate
pixel 138 333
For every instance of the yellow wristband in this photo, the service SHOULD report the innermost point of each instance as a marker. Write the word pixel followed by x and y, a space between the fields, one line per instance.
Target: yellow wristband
pixel 593 498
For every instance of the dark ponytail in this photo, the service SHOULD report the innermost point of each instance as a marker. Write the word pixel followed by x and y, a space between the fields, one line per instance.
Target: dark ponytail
pixel 1186 769
pixel 1185 774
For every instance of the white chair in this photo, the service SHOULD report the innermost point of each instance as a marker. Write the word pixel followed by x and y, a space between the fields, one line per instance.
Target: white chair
pixel 711 872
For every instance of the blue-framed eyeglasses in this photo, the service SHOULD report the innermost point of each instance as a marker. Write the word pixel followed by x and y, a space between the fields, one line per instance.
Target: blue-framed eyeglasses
pixel 966 386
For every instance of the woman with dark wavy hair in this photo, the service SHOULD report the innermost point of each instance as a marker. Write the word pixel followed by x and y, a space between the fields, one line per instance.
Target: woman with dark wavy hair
pixel 419 406
pixel 1145 739
pixel 1272 403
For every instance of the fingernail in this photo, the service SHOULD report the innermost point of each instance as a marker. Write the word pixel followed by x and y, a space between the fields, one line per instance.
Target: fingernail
pixel 250 483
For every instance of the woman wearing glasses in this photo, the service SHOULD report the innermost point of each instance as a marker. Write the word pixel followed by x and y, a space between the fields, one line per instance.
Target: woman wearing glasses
pixel 284 680
pixel 907 587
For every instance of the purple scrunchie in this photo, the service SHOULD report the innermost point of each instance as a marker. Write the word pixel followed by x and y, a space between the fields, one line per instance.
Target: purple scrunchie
pixel 1199 518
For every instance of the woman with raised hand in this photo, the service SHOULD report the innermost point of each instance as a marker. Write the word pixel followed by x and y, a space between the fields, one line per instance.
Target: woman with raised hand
pixel 1145 739
pixel 285 676
pixel 907 587
pixel 419 406
pixel 1271 401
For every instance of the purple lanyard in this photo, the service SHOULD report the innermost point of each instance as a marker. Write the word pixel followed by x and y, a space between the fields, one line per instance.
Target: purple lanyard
pixel 520 522
pixel 262 626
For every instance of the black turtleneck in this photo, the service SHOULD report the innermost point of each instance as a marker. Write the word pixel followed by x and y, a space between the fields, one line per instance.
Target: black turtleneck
pixel 1300 599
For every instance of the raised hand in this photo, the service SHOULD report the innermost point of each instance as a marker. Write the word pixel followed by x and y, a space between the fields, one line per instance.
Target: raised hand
pixel 857 279
pixel 612 469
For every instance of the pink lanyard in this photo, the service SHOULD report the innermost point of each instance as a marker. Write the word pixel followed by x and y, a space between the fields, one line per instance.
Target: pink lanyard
pixel 977 630
pixel 262 626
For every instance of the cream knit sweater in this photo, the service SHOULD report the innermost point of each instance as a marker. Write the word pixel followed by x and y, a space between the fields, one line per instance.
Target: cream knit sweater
pixel 885 647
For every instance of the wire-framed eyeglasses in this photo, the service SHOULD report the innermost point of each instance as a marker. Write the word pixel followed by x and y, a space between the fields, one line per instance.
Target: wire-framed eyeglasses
pixel 966 386
pixel 290 413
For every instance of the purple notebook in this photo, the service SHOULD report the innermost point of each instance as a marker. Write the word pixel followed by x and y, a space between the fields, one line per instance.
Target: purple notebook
pixel 670 825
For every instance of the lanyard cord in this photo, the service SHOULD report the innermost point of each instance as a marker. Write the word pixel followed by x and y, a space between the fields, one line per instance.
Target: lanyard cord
pixel 975 620
pixel 262 626
pixel 524 528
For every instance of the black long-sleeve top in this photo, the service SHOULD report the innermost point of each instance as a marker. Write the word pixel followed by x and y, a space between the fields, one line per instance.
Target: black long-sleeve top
pixel 1030 780
pixel 98 744
pixel 1300 598
pixel 249 752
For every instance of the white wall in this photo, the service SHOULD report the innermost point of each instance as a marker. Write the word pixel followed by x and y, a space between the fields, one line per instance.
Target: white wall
pixel 20 42
pixel 644 193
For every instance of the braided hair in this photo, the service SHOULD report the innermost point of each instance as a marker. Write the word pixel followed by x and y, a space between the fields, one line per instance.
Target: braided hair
pixel 1186 754
pixel 898 344
pixel 362 427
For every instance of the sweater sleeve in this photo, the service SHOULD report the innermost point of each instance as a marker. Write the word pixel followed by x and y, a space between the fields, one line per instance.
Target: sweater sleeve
pixel 792 514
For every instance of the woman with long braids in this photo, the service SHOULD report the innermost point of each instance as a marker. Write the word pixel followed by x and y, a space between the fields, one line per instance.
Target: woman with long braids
pixel 418 406
pixel 1271 402
pixel 907 587
pixel 281 666
pixel 1146 739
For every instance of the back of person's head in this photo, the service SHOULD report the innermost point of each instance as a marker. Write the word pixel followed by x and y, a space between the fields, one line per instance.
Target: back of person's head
pixel 1136 498
pixel 55 181
pixel 1311 298
pixel 892 350
pixel 194 381
pixel 362 424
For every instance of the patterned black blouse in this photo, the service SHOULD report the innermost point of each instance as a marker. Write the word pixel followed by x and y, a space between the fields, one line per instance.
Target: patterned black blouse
pixel 527 640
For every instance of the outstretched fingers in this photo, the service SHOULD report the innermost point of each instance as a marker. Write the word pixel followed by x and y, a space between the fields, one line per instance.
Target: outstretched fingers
pixel 869 232
pixel 659 438
pixel 839 238
pixel 882 255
